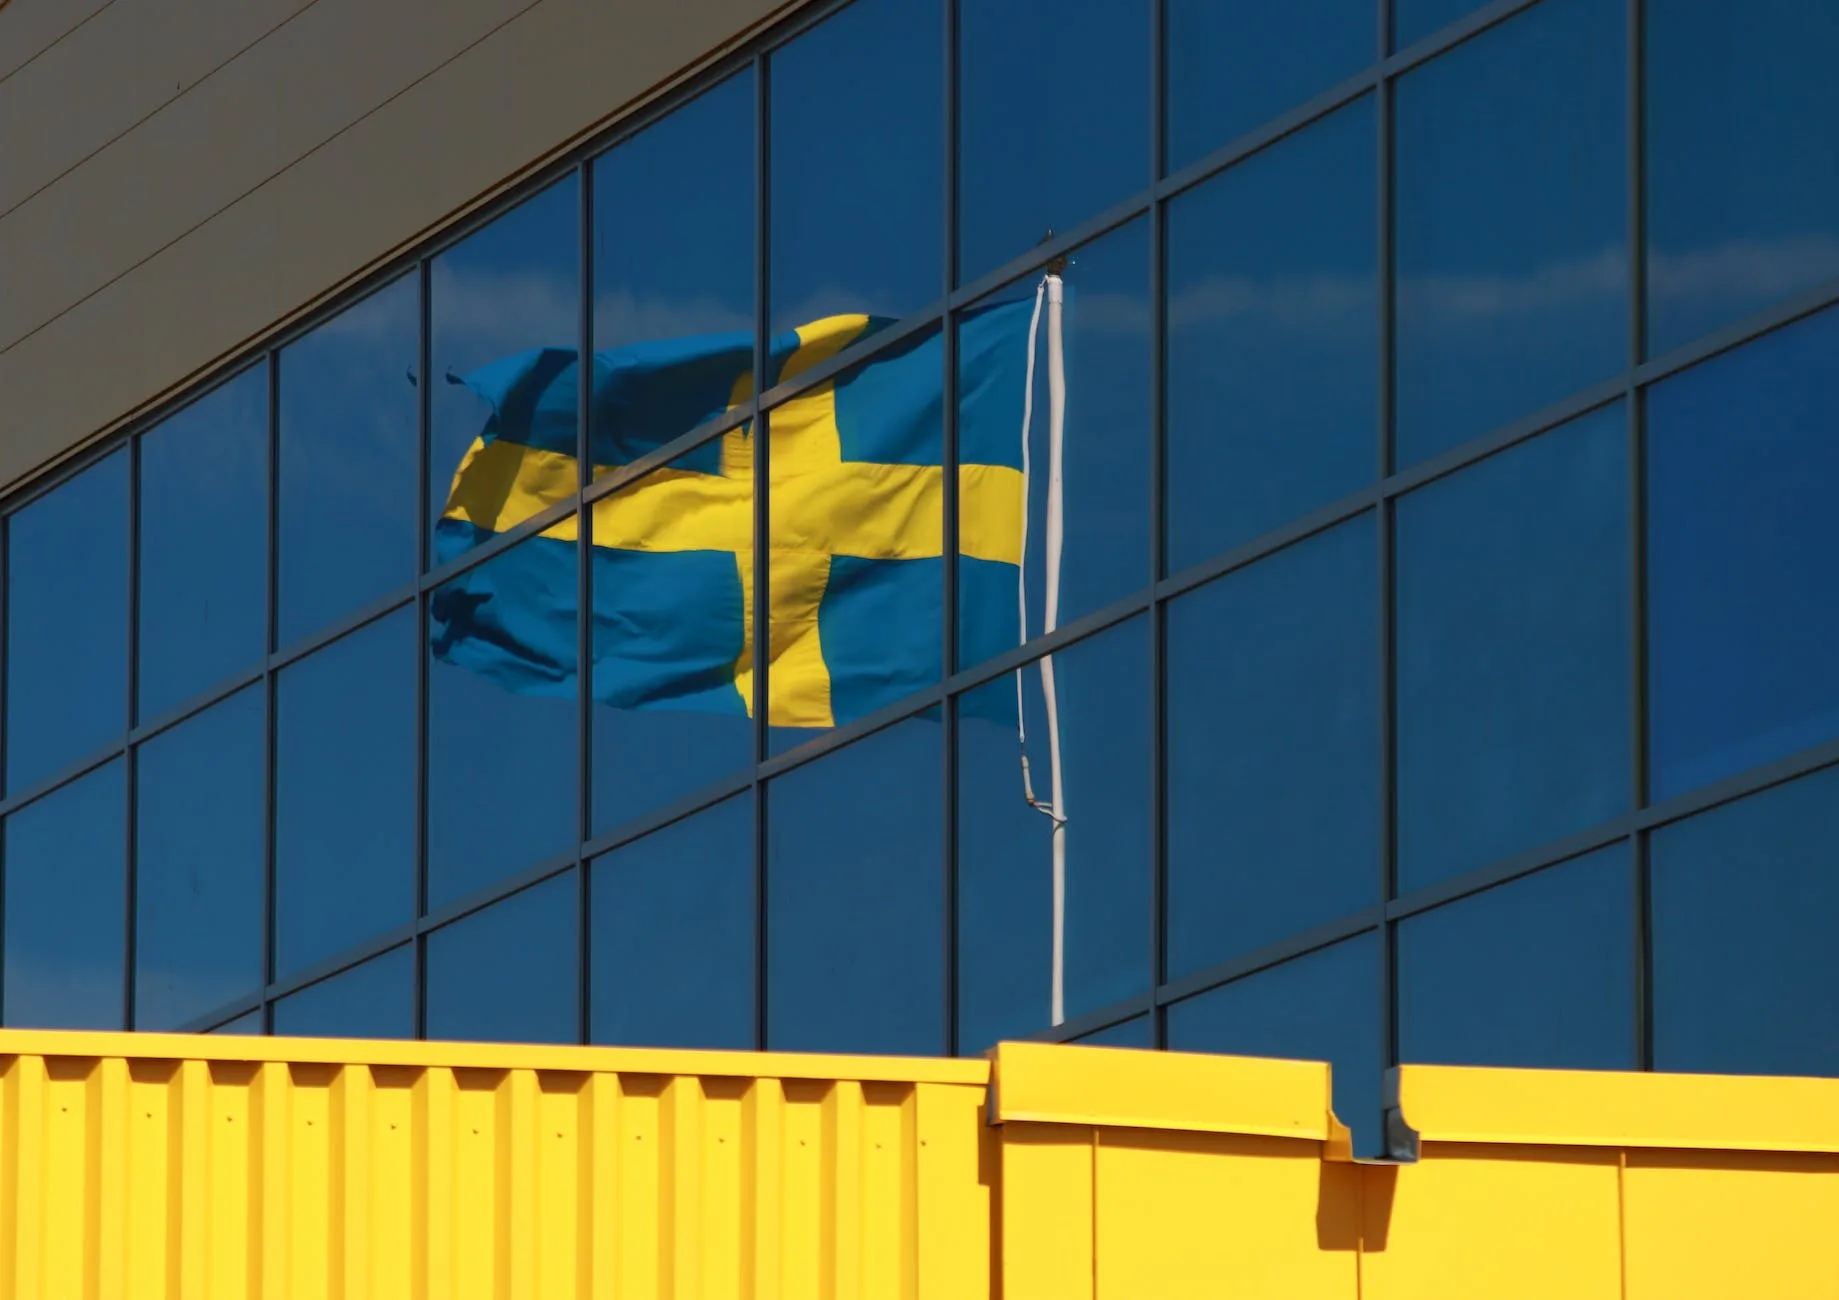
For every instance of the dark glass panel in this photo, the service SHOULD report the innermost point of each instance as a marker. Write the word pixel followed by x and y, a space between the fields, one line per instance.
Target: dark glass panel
pixel 855 934
pixel 1273 736
pixel 1134 1032
pixel 374 1000
pixel 673 934
pixel 66 907
pixel 508 974
pixel 349 426
pixel 1006 847
pixel 249 1023
pixel 1513 625
pixel 1273 318
pixel 199 863
pixel 345 794
pixel 67 623
pixel 1413 20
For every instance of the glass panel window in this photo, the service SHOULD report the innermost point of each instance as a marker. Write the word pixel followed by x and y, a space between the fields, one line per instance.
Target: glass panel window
pixel 1538 972
pixel 345 794
pixel 1744 898
pixel 66 907
pixel 502 740
pixel 67 623
pixel 249 1023
pixel 1513 653
pixel 1320 1007
pixel 1273 317
pixel 1104 500
pixel 1413 20
pixel 507 974
pixel 1512 223
pixel 1273 736
pixel 857 127
pixel 199 863
pixel 204 542
pixel 1233 64
pixel 673 573
pixel 1740 102
pixel 1053 119
pixel 1092 751
pixel 673 934
pixel 1134 1032
pixel 506 319
pixel 374 1000
pixel 854 890
pixel 1740 546
pixel 349 425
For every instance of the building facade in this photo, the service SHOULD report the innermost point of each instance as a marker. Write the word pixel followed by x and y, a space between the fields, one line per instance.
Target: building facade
pixel 1444 665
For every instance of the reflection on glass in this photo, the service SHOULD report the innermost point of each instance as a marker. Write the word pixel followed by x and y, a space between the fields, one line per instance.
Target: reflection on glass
pixel 673 935
pixel 1273 731
pixel 857 128
pixel 345 794
pixel 248 1023
pixel 1093 749
pixel 508 974
pixel 1741 538
pixel 349 425
pixel 502 738
pixel 204 542
pixel 66 907
pixel 1134 1032
pixel 1512 223
pixel 1320 1007
pixel 67 623
pixel 506 320
pixel 1413 20
pixel 855 930
pixel 374 1000
pixel 1104 497
pixel 1272 337
pixel 199 887
pixel 1053 124
pixel 1513 651
pixel 1232 64
pixel 672 580
pixel 1535 973
pixel 1739 104
pixel 1743 957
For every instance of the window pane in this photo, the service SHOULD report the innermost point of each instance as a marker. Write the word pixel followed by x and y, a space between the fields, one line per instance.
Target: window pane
pixel 67 623
pixel 375 1000
pixel 345 794
pixel 673 939
pixel 1513 651
pixel 673 673
pixel 857 126
pixel 1006 849
pixel 1273 735
pixel 1512 223
pixel 673 261
pixel 1053 126
pixel 1272 324
pixel 1413 20
pixel 1744 899
pixel 502 741
pixel 349 428
pixel 1134 1032
pixel 1536 973
pixel 508 974
pixel 506 316
pixel 855 934
pixel 857 511
pixel 204 542
pixel 1320 1007
pixel 250 1023
pixel 1105 445
pixel 199 863
pixel 66 932
pixel 1741 539
pixel 1234 63
pixel 1740 102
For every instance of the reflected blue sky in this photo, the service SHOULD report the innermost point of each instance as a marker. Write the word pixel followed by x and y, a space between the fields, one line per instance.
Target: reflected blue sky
pixel 506 974
pixel 373 1000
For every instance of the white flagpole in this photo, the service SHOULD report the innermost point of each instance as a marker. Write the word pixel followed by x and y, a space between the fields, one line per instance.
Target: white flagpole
pixel 1056 423
pixel 1021 581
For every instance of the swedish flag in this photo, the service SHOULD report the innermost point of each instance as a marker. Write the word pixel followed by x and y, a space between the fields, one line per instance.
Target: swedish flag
pixel 855 492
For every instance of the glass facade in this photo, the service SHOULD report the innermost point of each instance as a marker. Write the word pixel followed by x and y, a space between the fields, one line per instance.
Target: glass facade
pixel 1416 643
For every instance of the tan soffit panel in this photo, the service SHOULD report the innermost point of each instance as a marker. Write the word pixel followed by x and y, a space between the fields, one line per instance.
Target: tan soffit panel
pixel 30 27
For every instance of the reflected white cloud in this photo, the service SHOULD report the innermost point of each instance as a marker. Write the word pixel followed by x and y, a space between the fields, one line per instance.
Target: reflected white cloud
pixel 1744 270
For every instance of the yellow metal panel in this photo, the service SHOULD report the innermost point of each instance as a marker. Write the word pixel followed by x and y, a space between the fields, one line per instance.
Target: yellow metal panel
pixel 1047 1213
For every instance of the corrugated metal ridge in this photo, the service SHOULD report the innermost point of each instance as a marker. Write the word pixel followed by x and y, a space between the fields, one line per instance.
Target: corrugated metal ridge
pixel 492 1056
pixel 1603 1108
pixel 1124 1088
